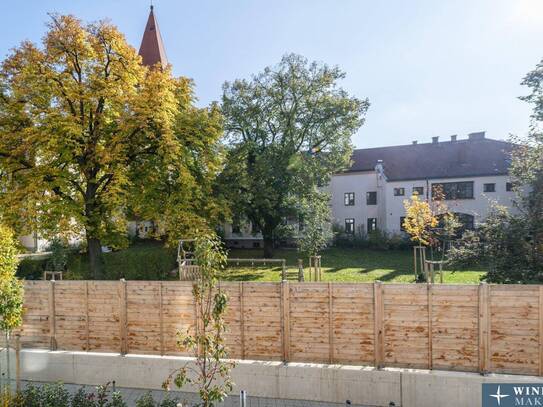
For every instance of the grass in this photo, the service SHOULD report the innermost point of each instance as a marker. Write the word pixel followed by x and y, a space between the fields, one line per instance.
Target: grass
pixel 346 265
pixel 151 261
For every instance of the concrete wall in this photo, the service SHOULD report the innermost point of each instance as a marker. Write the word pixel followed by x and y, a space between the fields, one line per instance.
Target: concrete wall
pixel 297 381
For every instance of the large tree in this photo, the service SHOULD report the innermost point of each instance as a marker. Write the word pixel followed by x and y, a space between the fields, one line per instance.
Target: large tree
pixel 289 128
pixel 89 136
pixel 511 243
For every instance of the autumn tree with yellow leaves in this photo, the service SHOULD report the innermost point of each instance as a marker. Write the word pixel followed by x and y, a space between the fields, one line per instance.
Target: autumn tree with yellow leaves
pixel 419 220
pixel 429 224
pixel 90 137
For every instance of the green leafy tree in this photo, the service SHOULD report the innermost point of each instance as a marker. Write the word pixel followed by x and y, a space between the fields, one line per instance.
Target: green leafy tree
pixel 511 244
pixel 289 128
pixel 210 373
pixel 316 220
pixel 89 137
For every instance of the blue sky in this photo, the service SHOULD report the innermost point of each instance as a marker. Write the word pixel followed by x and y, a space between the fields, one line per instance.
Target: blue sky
pixel 429 68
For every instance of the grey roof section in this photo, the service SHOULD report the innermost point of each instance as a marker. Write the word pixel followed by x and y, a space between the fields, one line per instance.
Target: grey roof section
pixel 449 159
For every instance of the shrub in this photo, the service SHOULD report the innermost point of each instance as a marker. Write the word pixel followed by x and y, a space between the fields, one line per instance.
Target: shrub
pixel 147 401
pixel 142 261
pixel 59 256
pixel 82 399
pixel 11 289
pixel 31 269
pixel 376 240
pixel 55 395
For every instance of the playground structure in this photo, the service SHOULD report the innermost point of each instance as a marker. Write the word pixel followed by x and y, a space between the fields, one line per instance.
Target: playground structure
pixel 188 271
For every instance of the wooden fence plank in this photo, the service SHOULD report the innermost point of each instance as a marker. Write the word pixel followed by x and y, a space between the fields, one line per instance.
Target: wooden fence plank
pixel 484 301
pixel 285 319
pixel 430 328
pixel 330 324
pixel 540 330
pixel 87 327
pixel 242 319
pixel 123 317
pixel 161 316
pixel 378 317
pixel 52 317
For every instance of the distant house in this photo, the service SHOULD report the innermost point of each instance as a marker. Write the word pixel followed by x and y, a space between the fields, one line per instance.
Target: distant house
pixel 472 173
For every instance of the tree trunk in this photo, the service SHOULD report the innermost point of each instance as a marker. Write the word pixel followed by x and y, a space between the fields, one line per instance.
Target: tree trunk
pixel 96 262
pixel 268 247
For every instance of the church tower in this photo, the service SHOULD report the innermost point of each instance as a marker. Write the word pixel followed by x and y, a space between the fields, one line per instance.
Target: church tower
pixel 152 48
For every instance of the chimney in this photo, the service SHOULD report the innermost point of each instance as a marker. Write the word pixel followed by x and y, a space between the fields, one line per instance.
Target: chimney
pixel 435 140
pixel 415 142
pixel 480 135
pixel 453 138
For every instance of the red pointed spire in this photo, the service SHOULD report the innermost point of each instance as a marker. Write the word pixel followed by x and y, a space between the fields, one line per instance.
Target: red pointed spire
pixel 152 49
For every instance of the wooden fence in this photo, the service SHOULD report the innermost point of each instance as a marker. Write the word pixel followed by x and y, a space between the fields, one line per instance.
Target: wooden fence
pixel 485 328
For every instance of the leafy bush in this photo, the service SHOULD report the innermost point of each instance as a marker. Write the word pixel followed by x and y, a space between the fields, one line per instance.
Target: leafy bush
pixel 59 256
pixel 142 261
pixel 56 395
pixel 147 401
pixel 376 240
pixel 31 269
pixel 148 260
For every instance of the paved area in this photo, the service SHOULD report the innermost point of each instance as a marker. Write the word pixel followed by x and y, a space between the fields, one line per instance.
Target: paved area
pixel 130 396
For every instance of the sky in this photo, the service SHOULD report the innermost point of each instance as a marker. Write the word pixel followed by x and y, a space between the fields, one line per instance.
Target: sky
pixel 428 68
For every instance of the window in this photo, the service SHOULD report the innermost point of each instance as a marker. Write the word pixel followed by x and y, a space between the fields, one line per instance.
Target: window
pixel 371 198
pixel 489 187
pixel 402 220
pixel 349 226
pixel 467 220
pixel 348 198
pixel 399 191
pixel 418 191
pixel 372 225
pixel 453 190
pixel 508 186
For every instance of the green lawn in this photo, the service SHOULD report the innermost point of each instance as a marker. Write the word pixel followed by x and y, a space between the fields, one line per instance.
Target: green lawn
pixel 342 264
pixel 151 261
